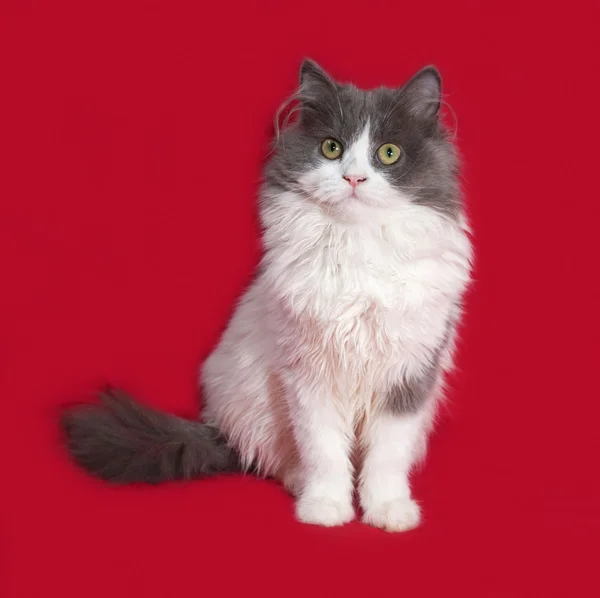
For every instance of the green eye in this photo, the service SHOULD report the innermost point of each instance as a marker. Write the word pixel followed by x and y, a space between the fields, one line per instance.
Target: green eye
pixel 388 153
pixel 332 149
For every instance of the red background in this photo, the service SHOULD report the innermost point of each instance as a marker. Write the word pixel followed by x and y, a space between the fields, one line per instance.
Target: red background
pixel 131 144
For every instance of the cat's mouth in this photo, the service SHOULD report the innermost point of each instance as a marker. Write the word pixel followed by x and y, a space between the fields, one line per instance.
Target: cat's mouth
pixel 355 194
pixel 360 197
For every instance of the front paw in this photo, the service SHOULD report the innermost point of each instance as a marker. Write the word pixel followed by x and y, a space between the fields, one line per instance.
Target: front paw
pixel 398 515
pixel 324 511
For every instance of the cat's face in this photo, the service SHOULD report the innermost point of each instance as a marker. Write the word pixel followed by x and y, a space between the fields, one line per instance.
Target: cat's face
pixel 360 152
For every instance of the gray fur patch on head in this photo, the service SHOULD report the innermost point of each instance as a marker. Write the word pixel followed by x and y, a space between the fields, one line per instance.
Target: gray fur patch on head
pixel 409 117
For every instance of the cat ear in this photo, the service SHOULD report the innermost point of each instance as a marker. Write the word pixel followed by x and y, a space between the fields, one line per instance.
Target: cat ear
pixel 314 81
pixel 312 74
pixel 423 93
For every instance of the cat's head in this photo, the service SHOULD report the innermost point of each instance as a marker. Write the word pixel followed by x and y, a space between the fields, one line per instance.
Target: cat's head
pixel 361 152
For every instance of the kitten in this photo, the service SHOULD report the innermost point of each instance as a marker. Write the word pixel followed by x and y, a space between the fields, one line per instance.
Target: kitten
pixel 333 361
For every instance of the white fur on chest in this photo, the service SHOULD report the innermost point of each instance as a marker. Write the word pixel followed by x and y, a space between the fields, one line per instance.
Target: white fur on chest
pixel 376 296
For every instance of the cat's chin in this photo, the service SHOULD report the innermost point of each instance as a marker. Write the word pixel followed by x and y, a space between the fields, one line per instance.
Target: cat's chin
pixel 354 210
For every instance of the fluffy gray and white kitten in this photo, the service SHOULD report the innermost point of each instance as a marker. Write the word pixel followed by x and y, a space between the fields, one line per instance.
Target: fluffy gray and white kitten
pixel 332 364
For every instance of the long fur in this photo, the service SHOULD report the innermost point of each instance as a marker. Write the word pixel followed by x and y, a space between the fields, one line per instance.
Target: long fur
pixel 340 345
pixel 123 442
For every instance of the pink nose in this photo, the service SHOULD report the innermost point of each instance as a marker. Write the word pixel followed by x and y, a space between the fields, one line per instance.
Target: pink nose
pixel 354 180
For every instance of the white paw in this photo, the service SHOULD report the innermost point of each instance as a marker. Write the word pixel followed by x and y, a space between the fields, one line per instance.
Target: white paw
pixel 323 511
pixel 396 515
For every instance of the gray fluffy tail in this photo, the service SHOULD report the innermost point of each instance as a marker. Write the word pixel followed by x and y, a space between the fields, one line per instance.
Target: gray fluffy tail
pixel 124 442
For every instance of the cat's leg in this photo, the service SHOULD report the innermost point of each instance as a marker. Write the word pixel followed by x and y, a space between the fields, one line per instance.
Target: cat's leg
pixel 291 479
pixel 323 482
pixel 393 441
